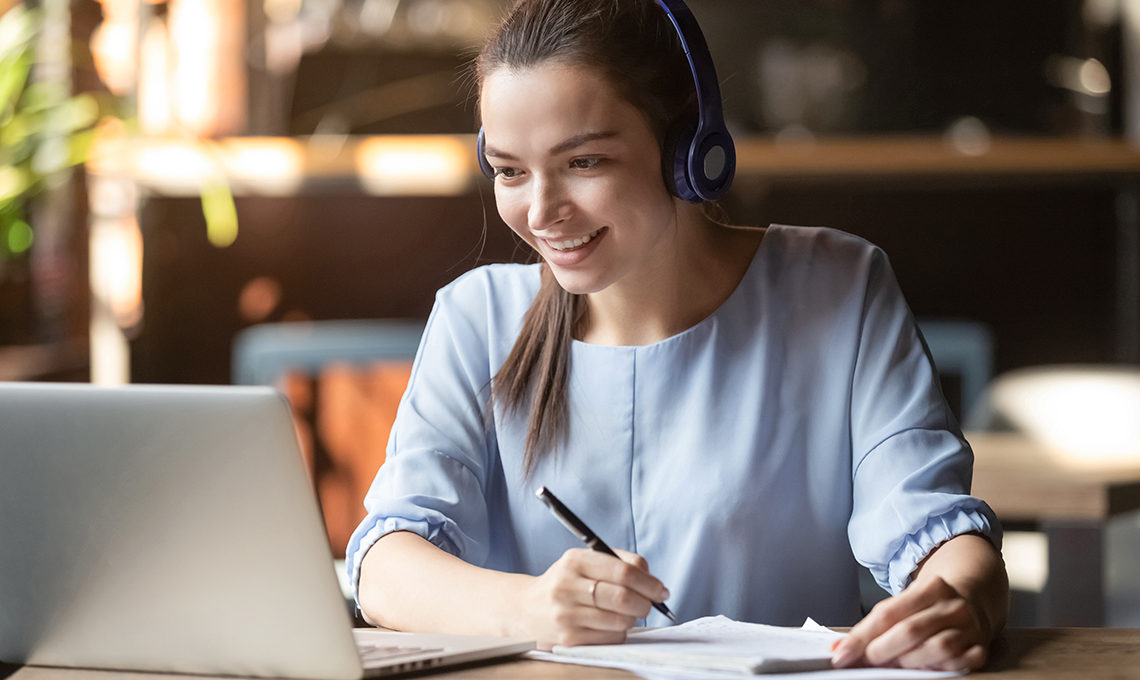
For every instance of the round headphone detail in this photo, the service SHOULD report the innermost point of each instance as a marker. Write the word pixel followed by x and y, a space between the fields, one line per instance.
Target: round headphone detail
pixel 698 160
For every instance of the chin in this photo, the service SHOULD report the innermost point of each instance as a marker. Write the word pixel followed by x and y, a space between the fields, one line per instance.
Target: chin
pixel 577 284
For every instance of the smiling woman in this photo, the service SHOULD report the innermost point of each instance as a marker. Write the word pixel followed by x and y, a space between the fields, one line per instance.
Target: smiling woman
pixel 751 411
pixel 577 176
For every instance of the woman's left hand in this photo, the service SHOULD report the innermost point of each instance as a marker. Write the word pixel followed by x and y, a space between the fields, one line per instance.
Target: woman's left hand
pixel 930 625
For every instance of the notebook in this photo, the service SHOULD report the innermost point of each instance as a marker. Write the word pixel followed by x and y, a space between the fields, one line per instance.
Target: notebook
pixel 174 528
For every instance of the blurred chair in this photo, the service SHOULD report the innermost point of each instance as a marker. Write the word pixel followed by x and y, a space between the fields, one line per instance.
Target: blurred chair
pixel 963 353
pixel 344 380
pixel 264 353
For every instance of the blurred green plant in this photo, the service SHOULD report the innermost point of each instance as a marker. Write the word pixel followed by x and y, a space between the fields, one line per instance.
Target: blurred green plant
pixel 44 129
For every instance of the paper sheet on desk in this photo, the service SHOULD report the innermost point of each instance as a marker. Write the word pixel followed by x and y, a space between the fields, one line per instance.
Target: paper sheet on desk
pixel 717 647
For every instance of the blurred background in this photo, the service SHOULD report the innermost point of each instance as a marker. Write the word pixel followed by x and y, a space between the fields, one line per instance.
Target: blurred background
pixel 216 191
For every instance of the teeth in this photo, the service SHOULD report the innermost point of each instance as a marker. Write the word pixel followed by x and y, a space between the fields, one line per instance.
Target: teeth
pixel 573 243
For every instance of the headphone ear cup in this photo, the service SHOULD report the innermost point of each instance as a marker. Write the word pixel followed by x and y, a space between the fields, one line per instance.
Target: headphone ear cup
pixel 481 157
pixel 675 161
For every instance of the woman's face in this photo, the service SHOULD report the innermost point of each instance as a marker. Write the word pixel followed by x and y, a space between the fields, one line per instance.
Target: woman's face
pixel 577 175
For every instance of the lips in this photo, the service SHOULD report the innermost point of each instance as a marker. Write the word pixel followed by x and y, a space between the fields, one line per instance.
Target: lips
pixel 570 244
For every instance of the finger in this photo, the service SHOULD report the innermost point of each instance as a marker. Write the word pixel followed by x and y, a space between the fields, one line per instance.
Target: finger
pixel 943 647
pixel 633 558
pixel 886 614
pixel 606 568
pixel 916 630
pixel 638 580
pixel 621 600
pixel 972 660
pixel 946 655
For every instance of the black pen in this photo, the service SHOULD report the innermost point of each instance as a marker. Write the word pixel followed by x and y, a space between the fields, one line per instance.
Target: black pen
pixel 579 529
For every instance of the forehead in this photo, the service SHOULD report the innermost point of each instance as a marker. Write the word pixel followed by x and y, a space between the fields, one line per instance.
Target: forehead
pixel 551 100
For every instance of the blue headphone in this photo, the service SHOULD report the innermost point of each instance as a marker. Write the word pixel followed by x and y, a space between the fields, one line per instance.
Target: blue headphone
pixel 699 160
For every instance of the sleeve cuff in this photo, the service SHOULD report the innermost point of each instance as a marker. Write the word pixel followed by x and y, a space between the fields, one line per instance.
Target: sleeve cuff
pixel 938 529
pixel 362 541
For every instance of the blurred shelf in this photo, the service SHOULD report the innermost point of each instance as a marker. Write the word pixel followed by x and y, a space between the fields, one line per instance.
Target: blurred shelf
pixel 417 165
pixel 390 165
pixel 916 158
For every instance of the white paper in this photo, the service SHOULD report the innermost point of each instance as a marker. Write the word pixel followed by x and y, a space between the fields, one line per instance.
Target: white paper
pixel 717 647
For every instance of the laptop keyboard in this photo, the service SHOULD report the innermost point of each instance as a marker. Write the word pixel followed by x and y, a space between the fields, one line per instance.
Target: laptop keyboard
pixel 371 655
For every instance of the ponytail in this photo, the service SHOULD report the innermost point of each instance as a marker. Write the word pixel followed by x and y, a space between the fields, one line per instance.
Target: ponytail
pixel 535 376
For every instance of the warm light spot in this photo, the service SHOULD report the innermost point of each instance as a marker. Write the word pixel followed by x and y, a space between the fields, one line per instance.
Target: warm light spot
pixel 208 65
pixel 281 10
pixel 1085 76
pixel 116 268
pixel 154 104
pixel 1026 555
pixel 175 162
pixel 414 165
pixel 275 165
pixel 1094 77
pixel 969 136
pixel 258 298
pixel 113 45
pixel 106 153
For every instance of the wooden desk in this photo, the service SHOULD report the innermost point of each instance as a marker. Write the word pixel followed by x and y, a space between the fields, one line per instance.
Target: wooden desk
pixel 1024 654
pixel 1071 502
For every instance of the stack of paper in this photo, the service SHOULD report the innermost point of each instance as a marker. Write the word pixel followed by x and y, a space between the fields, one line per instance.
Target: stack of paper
pixel 718 647
pixel 719 643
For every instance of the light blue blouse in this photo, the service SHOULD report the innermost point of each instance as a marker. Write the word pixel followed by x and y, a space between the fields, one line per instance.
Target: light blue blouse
pixel 751 459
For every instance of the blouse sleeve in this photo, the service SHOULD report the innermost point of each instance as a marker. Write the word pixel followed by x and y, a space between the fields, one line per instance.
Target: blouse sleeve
pixel 911 466
pixel 434 475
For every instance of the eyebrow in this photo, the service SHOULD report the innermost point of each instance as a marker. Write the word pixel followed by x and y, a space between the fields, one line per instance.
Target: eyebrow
pixel 561 147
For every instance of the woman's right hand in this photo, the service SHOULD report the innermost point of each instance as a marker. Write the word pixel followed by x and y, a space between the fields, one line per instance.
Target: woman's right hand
pixel 588 597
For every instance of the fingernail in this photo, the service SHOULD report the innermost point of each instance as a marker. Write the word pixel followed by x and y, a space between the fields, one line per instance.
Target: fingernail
pixel 843 656
pixel 664 594
pixel 836 643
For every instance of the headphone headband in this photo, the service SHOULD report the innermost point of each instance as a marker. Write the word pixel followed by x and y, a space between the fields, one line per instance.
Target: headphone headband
pixel 699 160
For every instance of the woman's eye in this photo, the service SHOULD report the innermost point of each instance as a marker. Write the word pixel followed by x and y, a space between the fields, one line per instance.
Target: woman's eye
pixel 585 163
pixel 506 172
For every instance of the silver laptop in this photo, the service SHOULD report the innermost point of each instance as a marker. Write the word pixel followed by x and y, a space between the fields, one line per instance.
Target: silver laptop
pixel 174 528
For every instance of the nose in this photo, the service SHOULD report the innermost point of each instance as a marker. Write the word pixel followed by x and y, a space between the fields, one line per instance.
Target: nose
pixel 549 204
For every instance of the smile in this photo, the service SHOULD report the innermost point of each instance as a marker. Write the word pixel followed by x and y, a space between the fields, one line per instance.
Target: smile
pixel 571 244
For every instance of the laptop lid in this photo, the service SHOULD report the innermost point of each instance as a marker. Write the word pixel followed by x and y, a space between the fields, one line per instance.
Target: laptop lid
pixel 166 528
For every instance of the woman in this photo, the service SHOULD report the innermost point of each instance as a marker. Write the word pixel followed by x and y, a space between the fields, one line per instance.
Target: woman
pixel 750 410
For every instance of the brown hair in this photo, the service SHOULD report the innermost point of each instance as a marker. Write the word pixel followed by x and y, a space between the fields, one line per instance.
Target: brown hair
pixel 632 44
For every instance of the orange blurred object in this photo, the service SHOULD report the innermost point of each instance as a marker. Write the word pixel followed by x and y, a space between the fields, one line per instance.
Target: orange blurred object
pixel 344 418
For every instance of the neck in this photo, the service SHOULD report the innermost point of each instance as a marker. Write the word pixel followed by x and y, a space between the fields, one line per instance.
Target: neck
pixel 690 278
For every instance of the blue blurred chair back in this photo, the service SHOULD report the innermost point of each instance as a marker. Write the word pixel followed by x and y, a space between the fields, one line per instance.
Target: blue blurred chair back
pixel 962 350
pixel 264 353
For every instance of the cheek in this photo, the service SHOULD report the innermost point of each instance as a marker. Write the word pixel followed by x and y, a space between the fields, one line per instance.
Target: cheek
pixel 513 211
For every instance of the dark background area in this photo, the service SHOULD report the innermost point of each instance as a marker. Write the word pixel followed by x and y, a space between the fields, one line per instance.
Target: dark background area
pixel 1034 260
